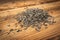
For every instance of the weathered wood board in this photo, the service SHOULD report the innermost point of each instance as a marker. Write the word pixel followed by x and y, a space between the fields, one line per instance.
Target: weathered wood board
pixel 51 33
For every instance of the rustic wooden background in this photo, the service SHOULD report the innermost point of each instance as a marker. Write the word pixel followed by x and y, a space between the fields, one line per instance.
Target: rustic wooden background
pixel 9 8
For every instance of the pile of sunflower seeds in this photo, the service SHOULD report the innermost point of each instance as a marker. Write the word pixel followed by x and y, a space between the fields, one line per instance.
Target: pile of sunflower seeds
pixel 35 18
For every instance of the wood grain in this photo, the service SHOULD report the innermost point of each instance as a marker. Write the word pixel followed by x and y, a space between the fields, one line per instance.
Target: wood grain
pixel 51 33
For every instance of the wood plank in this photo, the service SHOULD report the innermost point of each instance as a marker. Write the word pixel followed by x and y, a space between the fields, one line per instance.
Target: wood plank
pixel 52 31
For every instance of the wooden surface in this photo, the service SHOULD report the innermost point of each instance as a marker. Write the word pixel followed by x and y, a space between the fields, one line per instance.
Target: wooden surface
pixel 8 10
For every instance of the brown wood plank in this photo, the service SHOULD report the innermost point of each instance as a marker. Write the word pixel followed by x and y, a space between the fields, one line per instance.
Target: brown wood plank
pixel 51 32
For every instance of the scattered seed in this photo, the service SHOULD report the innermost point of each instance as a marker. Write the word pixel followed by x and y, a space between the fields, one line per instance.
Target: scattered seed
pixel 34 16
pixel 11 30
pixel 19 30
